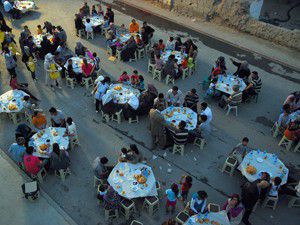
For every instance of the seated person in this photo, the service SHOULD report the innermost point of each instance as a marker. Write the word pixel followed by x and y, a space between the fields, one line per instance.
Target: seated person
pixel 234 209
pixel 134 27
pixel 94 11
pixel 17 151
pixel 139 42
pixel 39 29
pixel 124 78
pixel 123 157
pixel 85 9
pixel 292 132
pixel 32 163
pixel 71 130
pixel 241 150
pixel 234 99
pixel 253 87
pixel 101 169
pixel 191 99
pixel 205 110
pixel 159 63
pixel 293 100
pixel 122 30
pixel 134 78
pixel 9 8
pixel 80 49
pixel 59 158
pixel 198 203
pixel 87 68
pixel 160 102
pixel 39 120
pixel 212 91
pixel 141 84
pixel 57 118
pixel 174 97
pixel 161 46
pixel 111 200
pixel 275 185
pixel 179 136
pixel 24 131
pixel 170 44
pixel 71 73
pixel 88 26
pixel 134 155
pixel 284 118
pixel 78 24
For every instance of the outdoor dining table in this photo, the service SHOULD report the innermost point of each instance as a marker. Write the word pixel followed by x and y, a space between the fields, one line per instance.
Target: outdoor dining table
pixel 225 83
pixel 212 218
pixel 37 39
pixel 173 116
pixel 133 180
pixel 24 6
pixel 263 162
pixel 178 55
pixel 94 20
pixel 125 37
pixel 77 63
pixel 48 136
pixel 12 101
pixel 121 93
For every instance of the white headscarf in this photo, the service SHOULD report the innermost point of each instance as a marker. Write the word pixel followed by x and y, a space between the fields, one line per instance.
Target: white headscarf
pixel 49 59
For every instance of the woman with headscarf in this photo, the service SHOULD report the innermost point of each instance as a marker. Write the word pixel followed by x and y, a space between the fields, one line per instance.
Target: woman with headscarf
pixel 111 199
pixel 147 100
pixel 14 84
pixel 130 109
pixel 234 209
pixel 48 26
pixel 52 70
pixel 29 61
pixel 128 51
pixel 80 49
pixel 243 70
pixel 59 158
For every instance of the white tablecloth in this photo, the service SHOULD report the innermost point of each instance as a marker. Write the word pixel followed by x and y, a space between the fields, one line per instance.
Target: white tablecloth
pixel 220 218
pixel 225 83
pixel 263 162
pixel 125 37
pixel 24 6
pixel 77 63
pixel 54 134
pixel 123 181
pixel 37 39
pixel 178 55
pixel 122 95
pixel 95 21
pixel 173 115
pixel 12 98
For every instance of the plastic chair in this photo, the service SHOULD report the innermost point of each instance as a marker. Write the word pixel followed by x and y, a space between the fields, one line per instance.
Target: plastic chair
pixel 294 202
pixel 151 67
pixel 63 173
pixel 133 120
pixel 90 35
pixel 87 82
pixel 286 143
pixel 170 79
pixel 40 175
pixel 185 73
pixel 135 222
pixel 70 82
pixel 127 208
pixel 105 117
pixel 135 58
pixel 182 217
pixel 229 108
pixel 151 204
pixel 270 202
pixel 141 53
pixel 117 117
pixel 229 165
pixel 200 142
pixel 213 207
pixel 81 33
pixel 297 147
pixel 157 75
pixel 111 214
pixel 178 148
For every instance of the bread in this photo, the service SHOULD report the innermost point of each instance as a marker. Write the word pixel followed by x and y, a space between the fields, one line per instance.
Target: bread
pixel 141 179
pixel 118 88
pixel 43 147
pixel 251 170
pixel 12 107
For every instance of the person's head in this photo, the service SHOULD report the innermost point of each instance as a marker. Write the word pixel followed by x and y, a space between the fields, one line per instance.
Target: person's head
pixel 30 38
pixel 69 121
pixel 203 118
pixel 94 54
pixel 111 25
pixel 193 91
pixel 93 7
pixel 26 27
pixel 203 105
pixel 39 26
pixel 182 125
pixel 234 200
pixel 174 90
pixel 215 80
pixel 56 149
pixel 102 187
pixel 172 57
pixel 178 39
pixel 29 150
pixel 188 179
pixel 124 73
pixel 254 74
pixel 26 98
pixel 104 160
pixel 134 148
pixel 161 96
pixel 53 111
pixel 106 80
pixel 70 62
pixel 20 141
pixel 133 21
pixel 171 39
pixel 59 28
pixel 286 108
pixel 88 20
pixel 135 72
pixel 85 4
pixel 236 88
pixel 265 176
pixel 174 188
pixel 124 150
pixel 45 38
pixel 245 141
pixel 202 195
pixel 277 181
pixel 160 41
pixel 141 78
pixel 123 26
pixel 145 24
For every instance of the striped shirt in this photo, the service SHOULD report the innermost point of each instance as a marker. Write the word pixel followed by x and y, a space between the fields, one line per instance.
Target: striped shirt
pixel 256 84
pixel 180 136
pixel 191 99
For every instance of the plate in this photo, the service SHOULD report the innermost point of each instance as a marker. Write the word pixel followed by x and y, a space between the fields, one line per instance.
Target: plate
pixel 260 160
pixel 45 136
pixel 137 172
pixel 135 188
pixel 116 180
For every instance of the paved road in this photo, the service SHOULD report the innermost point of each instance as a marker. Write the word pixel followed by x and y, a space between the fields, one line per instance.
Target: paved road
pixel 77 196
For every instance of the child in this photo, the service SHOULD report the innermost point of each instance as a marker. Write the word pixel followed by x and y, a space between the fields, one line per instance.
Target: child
pixel 161 45
pixel 28 107
pixel 141 85
pixel 39 30
pixel 124 78
pixel 122 30
pixel 96 61
pixel 106 22
pixel 134 78
pixel 102 191
pixel 185 186
pixel 139 42
pixel 211 91
pixel 275 186
pixel 94 11
pixel 172 195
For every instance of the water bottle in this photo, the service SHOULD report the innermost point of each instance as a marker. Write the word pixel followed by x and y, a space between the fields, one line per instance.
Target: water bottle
pixel 258 151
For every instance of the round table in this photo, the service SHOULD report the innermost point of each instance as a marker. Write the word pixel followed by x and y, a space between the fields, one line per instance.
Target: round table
pixel 173 116
pixel 95 21
pixel 123 178
pixel 24 6
pixel 219 218
pixel 122 93
pixel 178 55
pixel 37 39
pixel 48 136
pixel 225 83
pixel 77 63
pixel 263 162
pixel 125 37
pixel 12 101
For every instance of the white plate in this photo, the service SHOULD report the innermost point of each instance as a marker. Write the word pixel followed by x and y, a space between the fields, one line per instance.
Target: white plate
pixel 135 188
pixel 116 180
pixel 137 172
pixel 260 160
pixel 45 136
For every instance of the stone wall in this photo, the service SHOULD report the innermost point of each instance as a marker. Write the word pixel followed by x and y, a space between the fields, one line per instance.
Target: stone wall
pixel 233 13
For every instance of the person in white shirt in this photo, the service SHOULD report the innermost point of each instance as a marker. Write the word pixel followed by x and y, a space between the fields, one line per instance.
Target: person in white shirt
pixel 100 89
pixel 170 44
pixel 206 111
pixel 174 97
pixel 9 8
pixel 198 202
pixel 88 26
pixel 71 128
pixel 204 126
pixel 275 185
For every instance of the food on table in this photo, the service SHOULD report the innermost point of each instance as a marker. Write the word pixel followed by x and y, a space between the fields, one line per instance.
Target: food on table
pixel 140 179
pixel 215 223
pixel 12 107
pixel 118 186
pixel 55 133
pixel 145 185
pixel 123 192
pixel 121 174
pixel 43 147
pixel 251 170
pixel 42 152
pixel 206 220
pixel 118 88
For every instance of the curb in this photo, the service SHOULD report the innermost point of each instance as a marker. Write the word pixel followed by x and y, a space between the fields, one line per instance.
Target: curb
pixel 51 202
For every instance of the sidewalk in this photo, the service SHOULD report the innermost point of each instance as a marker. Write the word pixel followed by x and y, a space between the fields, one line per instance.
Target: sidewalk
pixel 284 55
pixel 16 210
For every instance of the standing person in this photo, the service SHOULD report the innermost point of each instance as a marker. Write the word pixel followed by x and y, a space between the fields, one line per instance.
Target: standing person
pixel 250 195
pixel 241 150
pixel 234 209
pixel 110 15
pixel 28 60
pixel 59 158
pixel 243 70
pixel 100 90
pixel 134 26
pixel 49 27
pixel 205 110
pixel 160 102
pixel 49 59
pixel 149 31
pixel 17 150
pixel 85 9
pixel 186 185
pixel 157 129
pixel 191 99
pixel 172 195
pixel 57 118
pixel 198 203
pixel 78 24
pixel 174 97
pixel 10 62
pixel 253 87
